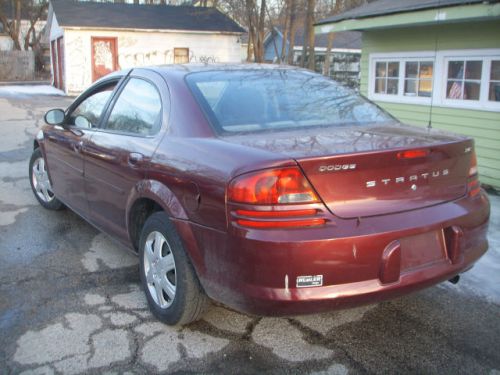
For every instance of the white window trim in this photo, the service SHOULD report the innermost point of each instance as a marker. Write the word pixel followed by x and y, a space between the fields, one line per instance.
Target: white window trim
pixel 440 76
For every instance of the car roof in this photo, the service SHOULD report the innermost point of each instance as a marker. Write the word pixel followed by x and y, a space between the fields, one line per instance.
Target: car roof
pixel 184 69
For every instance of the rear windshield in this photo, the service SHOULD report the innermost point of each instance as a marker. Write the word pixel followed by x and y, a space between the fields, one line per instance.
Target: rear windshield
pixel 273 99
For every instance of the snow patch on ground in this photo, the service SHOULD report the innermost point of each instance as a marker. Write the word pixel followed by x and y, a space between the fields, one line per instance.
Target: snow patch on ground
pixel 30 90
pixel 484 278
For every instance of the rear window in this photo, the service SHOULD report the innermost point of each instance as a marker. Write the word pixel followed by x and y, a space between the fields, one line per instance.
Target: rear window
pixel 274 99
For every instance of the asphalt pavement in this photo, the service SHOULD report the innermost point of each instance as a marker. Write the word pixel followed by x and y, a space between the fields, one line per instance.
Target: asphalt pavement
pixel 70 302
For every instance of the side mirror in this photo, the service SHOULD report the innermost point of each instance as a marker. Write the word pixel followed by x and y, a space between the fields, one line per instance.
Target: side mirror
pixel 55 117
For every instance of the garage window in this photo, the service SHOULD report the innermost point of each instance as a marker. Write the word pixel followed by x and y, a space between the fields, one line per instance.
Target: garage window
pixel 181 55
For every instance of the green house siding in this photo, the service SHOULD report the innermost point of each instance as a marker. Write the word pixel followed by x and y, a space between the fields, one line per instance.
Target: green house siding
pixel 484 126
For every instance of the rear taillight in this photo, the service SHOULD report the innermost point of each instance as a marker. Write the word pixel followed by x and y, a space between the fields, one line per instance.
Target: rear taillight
pixel 473 165
pixel 274 198
pixel 413 154
pixel 473 182
pixel 274 186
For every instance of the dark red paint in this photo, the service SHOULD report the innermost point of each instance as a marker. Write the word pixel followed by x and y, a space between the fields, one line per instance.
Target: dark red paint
pixel 376 242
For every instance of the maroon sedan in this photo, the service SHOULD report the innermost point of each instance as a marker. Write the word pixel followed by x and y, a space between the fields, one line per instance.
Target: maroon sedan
pixel 272 190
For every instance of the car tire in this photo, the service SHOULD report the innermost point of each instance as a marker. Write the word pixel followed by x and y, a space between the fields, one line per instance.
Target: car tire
pixel 40 182
pixel 173 291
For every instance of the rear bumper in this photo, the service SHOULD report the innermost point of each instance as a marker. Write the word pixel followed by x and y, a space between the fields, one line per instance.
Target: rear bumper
pixel 279 302
pixel 255 271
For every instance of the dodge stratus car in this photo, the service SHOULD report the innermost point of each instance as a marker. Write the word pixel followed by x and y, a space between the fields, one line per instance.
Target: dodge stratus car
pixel 272 190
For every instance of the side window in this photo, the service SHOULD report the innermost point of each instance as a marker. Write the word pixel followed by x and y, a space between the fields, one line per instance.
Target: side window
pixel 387 77
pixel 91 108
pixel 137 110
pixel 464 80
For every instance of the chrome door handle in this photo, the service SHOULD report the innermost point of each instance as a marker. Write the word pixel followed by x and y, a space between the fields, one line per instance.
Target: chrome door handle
pixel 77 147
pixel 134 158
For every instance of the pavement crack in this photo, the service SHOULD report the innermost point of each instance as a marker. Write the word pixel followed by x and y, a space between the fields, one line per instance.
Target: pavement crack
pixel 250 328
pixel 134 358
pixel 182 350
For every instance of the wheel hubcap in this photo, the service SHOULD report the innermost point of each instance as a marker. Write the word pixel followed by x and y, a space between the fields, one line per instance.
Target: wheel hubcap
pixel 41 182
pixel 159 268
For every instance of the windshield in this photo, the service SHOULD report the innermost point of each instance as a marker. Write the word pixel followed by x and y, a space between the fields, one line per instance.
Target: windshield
pixel 274 99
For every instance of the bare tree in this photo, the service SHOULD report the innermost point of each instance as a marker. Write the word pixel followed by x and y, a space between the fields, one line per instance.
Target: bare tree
pixel 285 32
pixel 261 32
pixel 12 22
pixel 310 33
pixel 256 17
pixel 35 12
pixel 328 54
pixel 292 25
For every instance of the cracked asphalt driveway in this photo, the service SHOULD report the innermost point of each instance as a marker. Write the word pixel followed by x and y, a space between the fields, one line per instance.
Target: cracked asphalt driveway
pixel 70 302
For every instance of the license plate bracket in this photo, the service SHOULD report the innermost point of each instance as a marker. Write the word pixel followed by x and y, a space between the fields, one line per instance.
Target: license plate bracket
pixel 422 249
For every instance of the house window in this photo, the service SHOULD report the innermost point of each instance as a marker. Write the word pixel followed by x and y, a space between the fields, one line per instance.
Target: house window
pixel 494 89
pixel 418 78
pixel 464 79
pixel 181 55
pixel 387 77
pixel 468 79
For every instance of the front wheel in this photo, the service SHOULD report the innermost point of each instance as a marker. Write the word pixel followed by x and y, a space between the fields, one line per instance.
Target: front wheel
pixel 40 182
pixel 172 288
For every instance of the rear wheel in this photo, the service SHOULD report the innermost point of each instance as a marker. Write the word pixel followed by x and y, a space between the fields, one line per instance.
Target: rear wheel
pixel 172 288
pixel 40 182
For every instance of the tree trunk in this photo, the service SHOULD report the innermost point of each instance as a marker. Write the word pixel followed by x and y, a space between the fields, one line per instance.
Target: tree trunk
pixel 259 57
pixel 249 47
pixel 250 6
pixel 292 27
pixel 310 33
pixel 285 32
pixel 305 40
pixel 17 26
pixel 328 54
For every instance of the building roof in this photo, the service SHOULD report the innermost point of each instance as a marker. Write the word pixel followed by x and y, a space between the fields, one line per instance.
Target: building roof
pixel 386 7
pixel 138 16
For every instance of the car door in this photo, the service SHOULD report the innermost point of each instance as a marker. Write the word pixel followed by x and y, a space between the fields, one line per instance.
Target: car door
pixel 118 154
pixel 64 144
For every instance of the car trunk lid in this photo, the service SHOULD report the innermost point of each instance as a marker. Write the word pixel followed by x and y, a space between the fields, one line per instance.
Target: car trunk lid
pixel 389 181
pixel 361 171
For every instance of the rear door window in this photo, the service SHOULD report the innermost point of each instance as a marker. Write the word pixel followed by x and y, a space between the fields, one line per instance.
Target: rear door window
pixel 137 110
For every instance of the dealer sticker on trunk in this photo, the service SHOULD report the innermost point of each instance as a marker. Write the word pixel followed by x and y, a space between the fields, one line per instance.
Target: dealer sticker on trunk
pixel 308 281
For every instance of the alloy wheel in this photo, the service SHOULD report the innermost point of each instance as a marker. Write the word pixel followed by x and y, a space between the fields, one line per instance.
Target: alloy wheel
pixel 41 181
pixel 159 268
